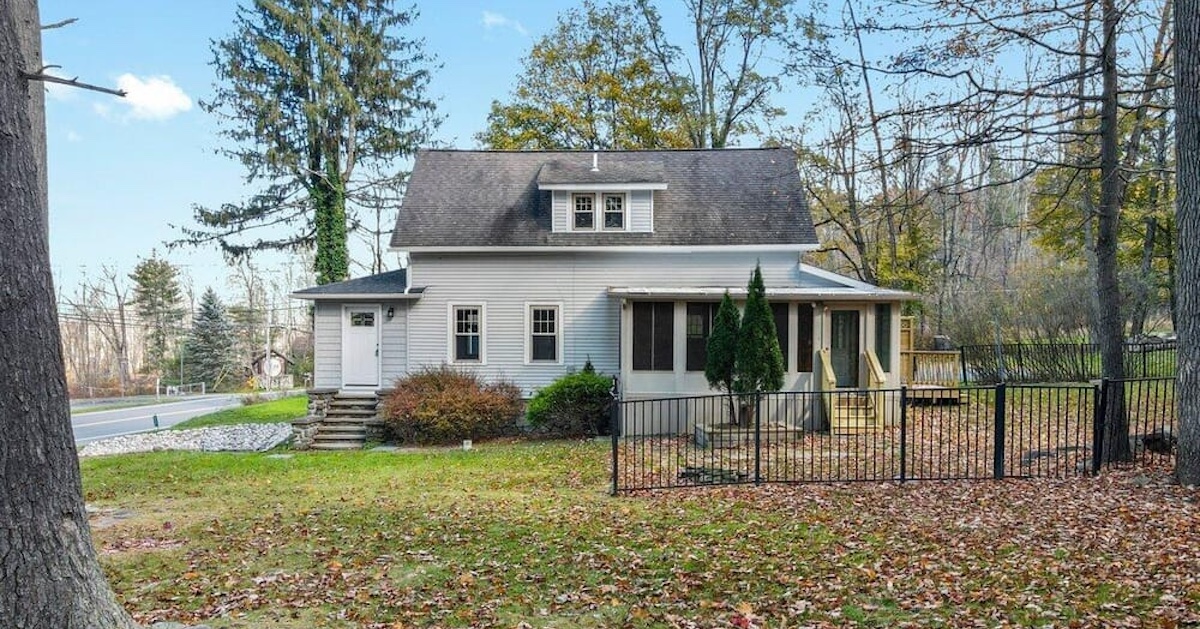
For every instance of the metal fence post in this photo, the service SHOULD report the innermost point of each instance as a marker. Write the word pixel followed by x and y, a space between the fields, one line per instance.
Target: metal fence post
pixel 998 437
pixel 614 419
pixel 757 438
pixel 903 433
pixel 1099 413
pixel 962 360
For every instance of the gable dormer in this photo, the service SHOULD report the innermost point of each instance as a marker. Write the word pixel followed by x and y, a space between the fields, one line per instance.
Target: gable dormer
pixel 602 196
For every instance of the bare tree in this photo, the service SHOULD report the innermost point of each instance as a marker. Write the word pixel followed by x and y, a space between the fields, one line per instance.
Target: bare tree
pixel 50 574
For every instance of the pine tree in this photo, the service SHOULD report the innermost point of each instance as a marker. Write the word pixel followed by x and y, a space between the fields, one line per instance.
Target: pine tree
pixel 759 363
pixel 722 350
pixel 314 94
pixel 210 346
pixel 158 301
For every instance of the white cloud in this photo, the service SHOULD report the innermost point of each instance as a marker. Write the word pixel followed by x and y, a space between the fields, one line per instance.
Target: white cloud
pixel 152 98
pixel 101 109
pixel 492 20
pixel 73 137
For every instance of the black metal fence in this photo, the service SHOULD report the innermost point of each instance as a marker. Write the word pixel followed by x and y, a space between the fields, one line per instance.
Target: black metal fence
pixel 1060 362
pixel 885 435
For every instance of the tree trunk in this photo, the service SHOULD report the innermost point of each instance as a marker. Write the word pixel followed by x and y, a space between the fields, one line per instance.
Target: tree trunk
pixel 1187 213
pixel 1109 323
pixel 49 576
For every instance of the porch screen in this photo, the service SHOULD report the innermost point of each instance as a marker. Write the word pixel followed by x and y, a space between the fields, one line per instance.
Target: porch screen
pixel 883 335
pixel 804 338
pixel 781 330
pixel 700 317
pixel 653 335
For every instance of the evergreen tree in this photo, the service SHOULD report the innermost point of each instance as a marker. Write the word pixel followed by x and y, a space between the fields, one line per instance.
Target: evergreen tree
pixel 722 350
pixel 158 301
pixel 210 346
pixel 759 363
pixel 310 92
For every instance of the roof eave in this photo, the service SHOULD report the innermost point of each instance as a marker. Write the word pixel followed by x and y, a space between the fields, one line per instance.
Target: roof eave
pixel 603 187
pixel 409 296
pixel 799 248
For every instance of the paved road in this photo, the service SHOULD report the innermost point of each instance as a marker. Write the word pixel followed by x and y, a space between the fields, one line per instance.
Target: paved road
pixel 124 421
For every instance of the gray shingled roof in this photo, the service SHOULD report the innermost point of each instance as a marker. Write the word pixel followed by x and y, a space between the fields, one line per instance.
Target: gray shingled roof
pixel 389 283
pixel 560 171
pixel 713 197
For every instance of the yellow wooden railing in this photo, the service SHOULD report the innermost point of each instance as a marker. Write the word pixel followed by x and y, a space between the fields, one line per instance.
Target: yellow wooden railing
pixel 826 381
pixel 876 381
pixel 941 369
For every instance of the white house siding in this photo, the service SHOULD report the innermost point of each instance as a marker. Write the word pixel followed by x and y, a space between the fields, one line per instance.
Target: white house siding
pixel 505 283
pixel 560 209
pixel 641 211
pixel 393 345
pixel 327 345
pixel 327 349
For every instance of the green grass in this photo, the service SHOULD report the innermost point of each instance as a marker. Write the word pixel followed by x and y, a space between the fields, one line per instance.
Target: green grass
pixel 525 532
pixel 281 410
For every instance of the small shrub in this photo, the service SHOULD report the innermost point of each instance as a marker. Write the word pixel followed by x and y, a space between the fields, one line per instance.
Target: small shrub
pixel 440 405
pixel 575 405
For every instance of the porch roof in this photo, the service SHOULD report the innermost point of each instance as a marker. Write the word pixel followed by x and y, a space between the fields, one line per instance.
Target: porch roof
pixel 391 286
pixel 785 293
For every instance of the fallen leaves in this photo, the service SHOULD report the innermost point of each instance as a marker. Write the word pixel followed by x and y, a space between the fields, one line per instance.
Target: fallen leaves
pixel 1080 552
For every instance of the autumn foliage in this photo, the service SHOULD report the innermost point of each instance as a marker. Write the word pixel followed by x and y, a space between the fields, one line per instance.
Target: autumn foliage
pixel 444 405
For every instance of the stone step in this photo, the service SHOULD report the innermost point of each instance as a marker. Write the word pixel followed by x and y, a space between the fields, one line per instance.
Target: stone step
pixel 337 432
pixel 350 412
pixel 347 421
pixel 337 445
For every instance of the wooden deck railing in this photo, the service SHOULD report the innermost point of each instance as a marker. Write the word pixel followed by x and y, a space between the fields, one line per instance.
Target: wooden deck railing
pixel 940 369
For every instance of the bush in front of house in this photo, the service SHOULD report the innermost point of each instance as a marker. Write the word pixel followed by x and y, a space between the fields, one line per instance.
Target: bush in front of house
pixel 441 405
pixel 575 405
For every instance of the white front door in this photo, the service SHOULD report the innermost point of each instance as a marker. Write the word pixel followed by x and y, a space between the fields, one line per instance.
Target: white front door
pixel 360 346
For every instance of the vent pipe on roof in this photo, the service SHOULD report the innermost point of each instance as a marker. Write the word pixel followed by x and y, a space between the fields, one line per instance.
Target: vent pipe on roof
pixel 595 162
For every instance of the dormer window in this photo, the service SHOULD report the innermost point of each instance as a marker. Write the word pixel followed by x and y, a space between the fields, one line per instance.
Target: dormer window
pixel 610 206
pixel 614 212
pixel 585 212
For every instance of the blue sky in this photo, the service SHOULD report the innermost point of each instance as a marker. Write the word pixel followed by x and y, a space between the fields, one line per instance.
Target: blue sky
pixel 124 171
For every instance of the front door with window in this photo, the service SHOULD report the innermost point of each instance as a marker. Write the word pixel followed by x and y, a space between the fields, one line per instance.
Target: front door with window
pixel 360 346
pixel 844 347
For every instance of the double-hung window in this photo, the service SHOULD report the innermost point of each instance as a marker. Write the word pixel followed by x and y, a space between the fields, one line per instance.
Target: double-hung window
pixel 614 212
pixel 545 329
pixel 467 328
pixel 584 211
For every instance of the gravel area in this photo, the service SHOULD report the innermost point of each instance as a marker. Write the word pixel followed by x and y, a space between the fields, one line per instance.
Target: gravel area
pixel 242 438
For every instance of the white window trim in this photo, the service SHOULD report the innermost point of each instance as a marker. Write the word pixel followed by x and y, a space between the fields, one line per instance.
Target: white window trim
pixel 558 332
pixel 624 211
pixel 595 212
pixel 452 329
pixel 598 211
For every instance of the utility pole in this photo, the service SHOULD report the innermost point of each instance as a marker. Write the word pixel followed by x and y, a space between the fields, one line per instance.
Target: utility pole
pixel 267 360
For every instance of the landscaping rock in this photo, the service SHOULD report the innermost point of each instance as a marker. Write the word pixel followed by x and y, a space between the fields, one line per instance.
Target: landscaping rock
pixel 241 438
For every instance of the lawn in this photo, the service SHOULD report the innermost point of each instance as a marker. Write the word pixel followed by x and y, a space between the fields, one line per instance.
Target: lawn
pixel 281 410
pixel 524 533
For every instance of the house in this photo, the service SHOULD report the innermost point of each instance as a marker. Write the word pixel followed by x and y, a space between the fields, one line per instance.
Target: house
pixel 525 265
